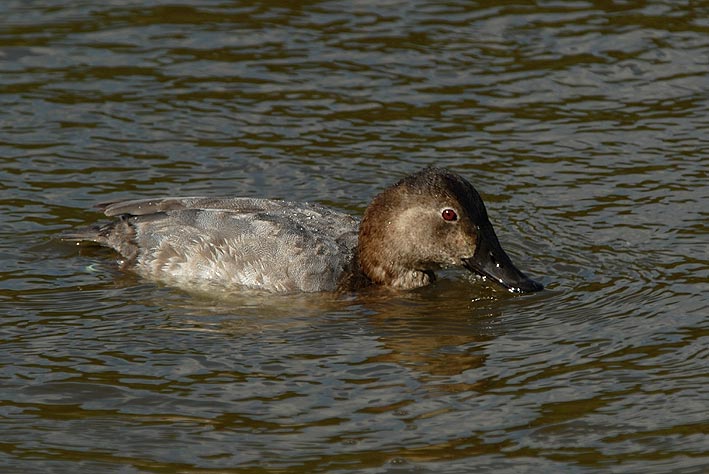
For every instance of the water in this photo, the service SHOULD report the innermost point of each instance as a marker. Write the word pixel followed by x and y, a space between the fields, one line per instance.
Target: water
pixel 584 126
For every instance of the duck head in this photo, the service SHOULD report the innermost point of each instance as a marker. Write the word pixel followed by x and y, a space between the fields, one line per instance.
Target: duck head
pixel 429 220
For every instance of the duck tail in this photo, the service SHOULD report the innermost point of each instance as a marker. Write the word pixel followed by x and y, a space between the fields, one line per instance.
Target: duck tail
pixel 98 234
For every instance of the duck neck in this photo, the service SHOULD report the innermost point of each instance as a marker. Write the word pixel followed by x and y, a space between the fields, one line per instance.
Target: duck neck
pixel 378 257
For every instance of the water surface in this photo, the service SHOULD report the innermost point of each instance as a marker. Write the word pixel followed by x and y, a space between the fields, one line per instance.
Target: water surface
pixel 583 125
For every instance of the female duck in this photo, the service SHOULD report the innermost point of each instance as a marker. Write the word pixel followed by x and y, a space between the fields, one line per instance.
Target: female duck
pixel 426 221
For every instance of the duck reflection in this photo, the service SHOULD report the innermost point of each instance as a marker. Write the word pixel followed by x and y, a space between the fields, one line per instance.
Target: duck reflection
pixel 440 334
pixel 436 333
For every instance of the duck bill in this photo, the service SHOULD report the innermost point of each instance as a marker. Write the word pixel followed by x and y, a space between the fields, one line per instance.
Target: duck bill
pixel 491 261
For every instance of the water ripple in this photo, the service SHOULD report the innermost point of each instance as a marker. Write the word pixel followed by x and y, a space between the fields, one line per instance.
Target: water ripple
pixel 583 126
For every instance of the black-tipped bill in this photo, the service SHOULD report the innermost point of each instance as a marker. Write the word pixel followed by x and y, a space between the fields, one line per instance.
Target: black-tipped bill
pixel 491 261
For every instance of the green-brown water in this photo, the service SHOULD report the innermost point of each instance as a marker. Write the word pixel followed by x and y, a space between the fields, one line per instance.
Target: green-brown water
pixel 583 124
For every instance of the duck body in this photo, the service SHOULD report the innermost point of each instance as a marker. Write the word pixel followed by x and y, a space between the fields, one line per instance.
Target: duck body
pixel 264 244
pixel 428 220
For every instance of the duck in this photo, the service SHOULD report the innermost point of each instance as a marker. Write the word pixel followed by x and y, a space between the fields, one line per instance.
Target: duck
pixel 428 220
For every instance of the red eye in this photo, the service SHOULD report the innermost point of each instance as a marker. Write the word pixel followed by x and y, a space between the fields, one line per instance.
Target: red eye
pixel 449 215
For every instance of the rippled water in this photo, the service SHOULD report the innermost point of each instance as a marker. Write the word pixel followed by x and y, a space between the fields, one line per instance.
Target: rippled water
pixel 583 124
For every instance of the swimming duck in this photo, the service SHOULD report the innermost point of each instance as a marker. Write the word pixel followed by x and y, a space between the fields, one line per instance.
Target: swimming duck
pixel 428 220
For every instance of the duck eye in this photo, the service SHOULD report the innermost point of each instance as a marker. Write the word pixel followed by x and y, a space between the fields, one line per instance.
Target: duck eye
pixel 449 215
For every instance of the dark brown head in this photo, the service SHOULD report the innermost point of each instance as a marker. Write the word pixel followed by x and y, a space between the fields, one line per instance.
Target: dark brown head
pixel 428 220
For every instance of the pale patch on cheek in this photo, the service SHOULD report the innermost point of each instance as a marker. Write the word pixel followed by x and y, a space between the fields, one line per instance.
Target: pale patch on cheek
pixel 458 245
pixel 468 243
pixel 412 221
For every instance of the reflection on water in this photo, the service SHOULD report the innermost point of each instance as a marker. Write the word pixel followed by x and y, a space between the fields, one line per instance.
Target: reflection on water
pixel 583 126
